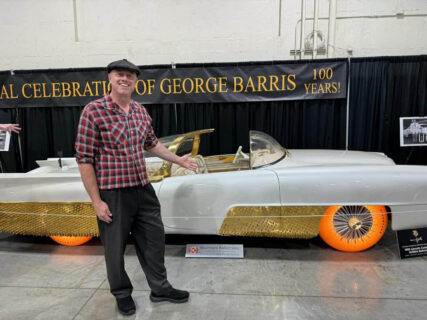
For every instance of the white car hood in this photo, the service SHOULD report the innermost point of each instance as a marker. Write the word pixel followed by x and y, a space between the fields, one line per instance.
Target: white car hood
pixel 334 157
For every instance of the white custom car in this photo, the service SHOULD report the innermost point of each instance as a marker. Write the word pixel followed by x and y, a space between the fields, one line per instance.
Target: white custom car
pixel 346 197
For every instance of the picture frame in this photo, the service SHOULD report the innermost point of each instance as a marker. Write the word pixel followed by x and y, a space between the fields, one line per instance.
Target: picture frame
pixel 413 131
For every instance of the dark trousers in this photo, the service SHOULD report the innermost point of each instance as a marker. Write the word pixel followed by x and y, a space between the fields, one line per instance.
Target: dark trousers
pixel 135 210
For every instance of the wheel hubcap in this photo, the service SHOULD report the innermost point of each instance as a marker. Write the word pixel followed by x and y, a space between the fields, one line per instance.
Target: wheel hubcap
pixel 352 222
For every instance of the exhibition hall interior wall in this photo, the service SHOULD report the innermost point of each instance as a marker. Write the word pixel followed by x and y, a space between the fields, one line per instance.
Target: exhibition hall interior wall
pixel 79 33
pixel 382 42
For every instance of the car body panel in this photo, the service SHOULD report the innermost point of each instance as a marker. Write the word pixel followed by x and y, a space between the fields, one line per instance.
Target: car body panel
pixel 62 187
pixel 331 157
pixel 349 185
pixel 199 203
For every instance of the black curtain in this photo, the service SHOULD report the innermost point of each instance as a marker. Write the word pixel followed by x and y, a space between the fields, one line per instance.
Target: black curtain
pixel 164 120
pixel 295 124
pixel 313 124
pixel 46 132
pixel 382 90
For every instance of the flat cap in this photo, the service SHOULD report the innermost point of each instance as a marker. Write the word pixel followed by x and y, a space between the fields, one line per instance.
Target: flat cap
pixel 123 65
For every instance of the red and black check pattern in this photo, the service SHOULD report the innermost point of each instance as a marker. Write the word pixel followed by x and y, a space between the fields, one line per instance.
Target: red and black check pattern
pixel 114 141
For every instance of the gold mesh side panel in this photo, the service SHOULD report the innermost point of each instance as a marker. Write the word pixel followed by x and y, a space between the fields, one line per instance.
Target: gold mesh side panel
pixel 78 219
pixel 300 222
pixel 48 218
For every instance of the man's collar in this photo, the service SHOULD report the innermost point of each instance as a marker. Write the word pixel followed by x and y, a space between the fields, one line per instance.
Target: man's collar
pixel 111 105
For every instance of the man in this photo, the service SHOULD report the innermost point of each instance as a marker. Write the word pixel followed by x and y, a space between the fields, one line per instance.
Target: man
pixel 112 133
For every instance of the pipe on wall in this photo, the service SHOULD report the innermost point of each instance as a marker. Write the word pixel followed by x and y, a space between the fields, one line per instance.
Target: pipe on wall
pixel 301 44
pixel 331 28
pixel 76 30
pixel 416 15
pixel 315 23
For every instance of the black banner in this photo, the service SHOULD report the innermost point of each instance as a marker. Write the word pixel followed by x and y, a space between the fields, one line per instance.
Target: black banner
pixel 181 85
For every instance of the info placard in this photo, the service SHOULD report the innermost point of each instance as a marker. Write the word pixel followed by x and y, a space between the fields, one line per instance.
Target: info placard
pixel 234 251
pixel 4 140
pixel 412 242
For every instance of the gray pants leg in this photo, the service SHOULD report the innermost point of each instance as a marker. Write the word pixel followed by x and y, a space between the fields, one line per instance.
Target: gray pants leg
pixel 134 209
pixel 149 235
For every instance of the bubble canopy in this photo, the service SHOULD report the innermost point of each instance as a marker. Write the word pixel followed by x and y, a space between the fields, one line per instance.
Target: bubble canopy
pixel 264 150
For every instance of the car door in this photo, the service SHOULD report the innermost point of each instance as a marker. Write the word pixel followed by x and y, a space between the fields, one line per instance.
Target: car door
pixel 198 204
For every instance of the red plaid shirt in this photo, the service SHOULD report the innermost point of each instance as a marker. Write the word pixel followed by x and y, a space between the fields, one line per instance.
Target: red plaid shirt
pixel 114 142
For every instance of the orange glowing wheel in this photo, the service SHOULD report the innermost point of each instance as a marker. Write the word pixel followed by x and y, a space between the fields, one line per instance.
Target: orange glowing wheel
pixel 70 241
pixel 353 228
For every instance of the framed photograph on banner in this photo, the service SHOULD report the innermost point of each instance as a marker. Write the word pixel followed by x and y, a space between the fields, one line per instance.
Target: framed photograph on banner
pixel 413 131
pixel 4 140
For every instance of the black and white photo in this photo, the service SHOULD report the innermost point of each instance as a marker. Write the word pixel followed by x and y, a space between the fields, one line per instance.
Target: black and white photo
pixel 413 131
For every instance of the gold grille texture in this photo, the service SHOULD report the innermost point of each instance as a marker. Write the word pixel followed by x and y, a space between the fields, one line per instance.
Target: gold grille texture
pixel 48 218
pixel 79 219
pixel 299 222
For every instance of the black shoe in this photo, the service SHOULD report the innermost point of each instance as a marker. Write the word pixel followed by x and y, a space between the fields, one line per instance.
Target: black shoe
pixel 174 296
pixel 126 305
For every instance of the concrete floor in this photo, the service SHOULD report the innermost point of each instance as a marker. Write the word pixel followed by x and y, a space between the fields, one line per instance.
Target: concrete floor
pixel 277 279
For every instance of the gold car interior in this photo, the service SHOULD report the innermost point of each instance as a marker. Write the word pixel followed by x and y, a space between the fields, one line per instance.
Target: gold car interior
pixel 158 170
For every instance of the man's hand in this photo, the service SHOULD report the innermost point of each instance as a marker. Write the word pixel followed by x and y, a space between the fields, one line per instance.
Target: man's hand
pixel 87 173
pixel 188 163
pixel 10 127
pixel 160 151
pixel 102 211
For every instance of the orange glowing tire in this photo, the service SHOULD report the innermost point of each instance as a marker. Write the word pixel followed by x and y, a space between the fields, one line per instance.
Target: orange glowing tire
pixel 70 241
pixel 353 228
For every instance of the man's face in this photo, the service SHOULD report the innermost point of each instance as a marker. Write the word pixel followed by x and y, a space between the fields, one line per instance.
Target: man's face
pixel 122 82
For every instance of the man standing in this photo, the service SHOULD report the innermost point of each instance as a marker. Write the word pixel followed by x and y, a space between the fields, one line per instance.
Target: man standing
pixel 112 135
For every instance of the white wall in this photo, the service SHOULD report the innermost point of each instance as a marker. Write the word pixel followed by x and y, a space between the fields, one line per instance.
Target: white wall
pixel 45 34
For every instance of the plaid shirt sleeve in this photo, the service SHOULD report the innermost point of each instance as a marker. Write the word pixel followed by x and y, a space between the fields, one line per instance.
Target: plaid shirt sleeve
pixel 87 140
pixel 150 138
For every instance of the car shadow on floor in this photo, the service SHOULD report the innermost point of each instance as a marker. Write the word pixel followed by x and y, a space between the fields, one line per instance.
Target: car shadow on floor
pixel 255 247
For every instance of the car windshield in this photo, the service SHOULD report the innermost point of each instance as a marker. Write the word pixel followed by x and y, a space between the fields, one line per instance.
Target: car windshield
pixel 264 150
pixel 184 148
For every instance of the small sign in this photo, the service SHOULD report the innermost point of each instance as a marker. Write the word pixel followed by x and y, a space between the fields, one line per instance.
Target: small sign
pixel 413 131
pixel 4 140
pixel 214 251
pixel 412 243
